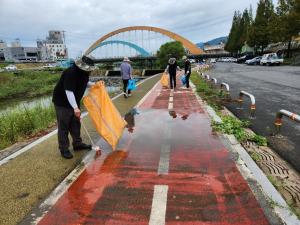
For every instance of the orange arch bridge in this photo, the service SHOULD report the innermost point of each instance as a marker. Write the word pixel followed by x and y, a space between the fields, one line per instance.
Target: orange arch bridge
pixel 191 47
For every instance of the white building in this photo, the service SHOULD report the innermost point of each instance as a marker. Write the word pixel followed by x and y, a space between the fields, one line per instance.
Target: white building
pixel 56 46
pixel 16 43
pixel 215 49
pixel 3 46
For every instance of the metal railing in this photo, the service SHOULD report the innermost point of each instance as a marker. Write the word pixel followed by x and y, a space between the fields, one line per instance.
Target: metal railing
pixel 252 106
pixel 288 114
pixel 226 87
pixel 214 80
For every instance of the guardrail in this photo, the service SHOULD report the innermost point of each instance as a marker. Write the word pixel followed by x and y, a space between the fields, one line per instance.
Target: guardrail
pixel 288 114
pixel 252 106
pixel 226 86
pixel 214 80
pixel 227 89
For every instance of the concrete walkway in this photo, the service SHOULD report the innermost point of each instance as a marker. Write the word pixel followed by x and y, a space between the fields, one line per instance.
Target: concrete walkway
pixel 171 169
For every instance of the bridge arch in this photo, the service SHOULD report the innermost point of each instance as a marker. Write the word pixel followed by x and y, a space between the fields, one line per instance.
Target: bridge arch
pixel 193 49
pixel 142 51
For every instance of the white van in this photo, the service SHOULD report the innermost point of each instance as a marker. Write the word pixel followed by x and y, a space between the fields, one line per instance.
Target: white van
pixel 270 59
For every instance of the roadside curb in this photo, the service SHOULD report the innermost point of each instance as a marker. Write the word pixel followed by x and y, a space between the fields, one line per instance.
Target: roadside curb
pixel 249 169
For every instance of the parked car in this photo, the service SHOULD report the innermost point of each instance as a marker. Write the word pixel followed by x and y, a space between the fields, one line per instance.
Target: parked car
pixel 10 68
pixel 212 60
pixel 230 59
pixel 244 58
pixel 271 59
pixel 49 66
pixel 254 61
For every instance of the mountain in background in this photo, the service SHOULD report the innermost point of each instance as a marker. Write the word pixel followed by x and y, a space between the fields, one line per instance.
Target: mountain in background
pixel 213 42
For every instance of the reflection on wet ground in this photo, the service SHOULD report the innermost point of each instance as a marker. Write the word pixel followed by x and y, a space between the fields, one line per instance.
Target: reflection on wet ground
pixel 129 118
pixel 179 152
pixel 204 184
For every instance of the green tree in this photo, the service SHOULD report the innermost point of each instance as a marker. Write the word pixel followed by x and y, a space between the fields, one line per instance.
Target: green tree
pixel 288 21
pixel 171 49
pixel 260 33
pixel 244 28
pixel 239 30
pixel 233 38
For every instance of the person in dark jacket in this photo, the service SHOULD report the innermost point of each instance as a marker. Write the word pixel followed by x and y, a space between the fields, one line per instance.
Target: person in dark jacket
pixel 172 70
pixel 187 70
pixel 67 95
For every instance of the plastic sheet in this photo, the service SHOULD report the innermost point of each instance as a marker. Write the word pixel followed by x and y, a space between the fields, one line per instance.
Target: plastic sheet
pixel 106 118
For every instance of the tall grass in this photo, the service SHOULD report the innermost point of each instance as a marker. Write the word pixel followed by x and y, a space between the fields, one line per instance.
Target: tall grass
pixel 22 122
pixel 24 84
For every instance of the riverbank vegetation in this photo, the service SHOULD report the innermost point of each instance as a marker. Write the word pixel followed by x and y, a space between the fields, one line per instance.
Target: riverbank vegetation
pixel 24 122
pixel 27 84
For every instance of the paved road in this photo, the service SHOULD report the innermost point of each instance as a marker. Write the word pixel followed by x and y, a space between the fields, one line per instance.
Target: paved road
pixel 171 169
pixel 274 88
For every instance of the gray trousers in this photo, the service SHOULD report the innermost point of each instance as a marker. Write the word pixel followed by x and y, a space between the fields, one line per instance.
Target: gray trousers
pixel 67 122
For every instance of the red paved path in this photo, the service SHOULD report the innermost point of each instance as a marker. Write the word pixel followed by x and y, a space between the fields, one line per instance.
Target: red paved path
pixel 204 185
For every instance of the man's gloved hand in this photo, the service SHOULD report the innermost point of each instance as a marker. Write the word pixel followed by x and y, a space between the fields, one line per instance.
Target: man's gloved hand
pixel 77 112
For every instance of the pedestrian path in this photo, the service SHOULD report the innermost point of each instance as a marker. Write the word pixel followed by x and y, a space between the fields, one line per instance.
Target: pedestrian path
pixel 169 169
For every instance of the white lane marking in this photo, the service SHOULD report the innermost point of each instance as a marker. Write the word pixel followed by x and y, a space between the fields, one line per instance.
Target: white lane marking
pixel 170 106
pixel 168 133
pixel 159 205
pixel 163 166
pixel 171 99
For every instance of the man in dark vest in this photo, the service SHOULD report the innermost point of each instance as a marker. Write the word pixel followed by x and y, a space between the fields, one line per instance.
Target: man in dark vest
pixel 172 69
pixel 187 70
pixel 67 95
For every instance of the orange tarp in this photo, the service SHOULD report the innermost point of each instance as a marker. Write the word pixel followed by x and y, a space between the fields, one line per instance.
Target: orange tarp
pixel 106 118
pixel 164 80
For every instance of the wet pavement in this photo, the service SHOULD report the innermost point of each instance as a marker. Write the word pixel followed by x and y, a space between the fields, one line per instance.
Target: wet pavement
pixel 169 168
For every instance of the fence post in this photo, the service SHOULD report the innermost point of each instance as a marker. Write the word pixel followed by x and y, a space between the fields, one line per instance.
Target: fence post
pixel 252 106
pixel 226 86
pixel 288 114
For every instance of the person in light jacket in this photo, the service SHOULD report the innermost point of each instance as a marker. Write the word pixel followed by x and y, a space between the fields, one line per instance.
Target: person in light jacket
pixel 126 73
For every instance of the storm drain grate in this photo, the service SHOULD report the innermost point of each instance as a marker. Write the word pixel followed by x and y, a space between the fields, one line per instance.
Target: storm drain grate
pixel 294 192
pixel 286 179
pixel 265 156
pixel 275 168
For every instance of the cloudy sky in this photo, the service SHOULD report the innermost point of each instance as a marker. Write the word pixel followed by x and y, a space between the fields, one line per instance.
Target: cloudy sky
pixel 86 20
